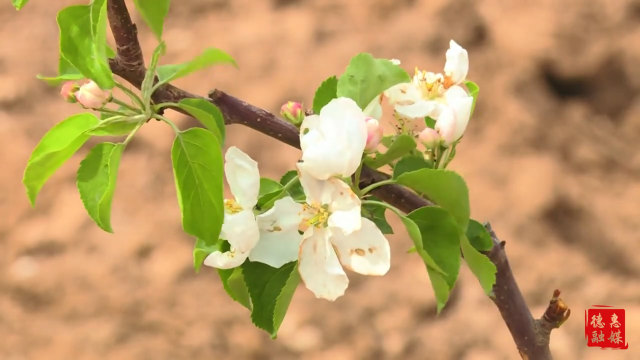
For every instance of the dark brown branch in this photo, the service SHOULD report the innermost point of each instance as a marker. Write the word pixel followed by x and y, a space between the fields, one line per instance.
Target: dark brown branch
pixel 531 336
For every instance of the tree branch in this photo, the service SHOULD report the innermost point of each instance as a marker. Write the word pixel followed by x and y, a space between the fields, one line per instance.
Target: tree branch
pixel 530 335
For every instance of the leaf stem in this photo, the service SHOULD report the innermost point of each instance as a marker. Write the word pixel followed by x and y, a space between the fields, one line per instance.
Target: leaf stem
pixel 133 132
pixel 163 105
pixel 377 185
pixel 173 126
pixel 131 94
pixel 125 105
pixel 383 204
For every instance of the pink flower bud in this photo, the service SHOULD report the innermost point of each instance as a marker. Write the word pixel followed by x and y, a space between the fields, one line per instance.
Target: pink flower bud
pixel 374 134
pixel 293 112
pixel 91 96
pixel 429 138
pixel 446 126
pixel 67 91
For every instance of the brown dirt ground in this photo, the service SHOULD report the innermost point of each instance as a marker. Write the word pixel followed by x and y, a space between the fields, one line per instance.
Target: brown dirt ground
pixel 550 158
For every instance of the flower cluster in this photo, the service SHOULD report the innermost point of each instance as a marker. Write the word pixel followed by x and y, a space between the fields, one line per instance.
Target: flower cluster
pixel 325 232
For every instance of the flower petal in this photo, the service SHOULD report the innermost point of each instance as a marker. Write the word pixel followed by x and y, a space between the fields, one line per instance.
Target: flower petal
pixel 418 110
pixel 446 126
pixel 332 145
pixel 279 238
pixel 225 260
pixel 365 251
pixel 461 103
pixel 457 65
pixel 243 177
pixel 315 190
pixel 403 94
pixel 240 230
pixel 319 266
pixel 344 207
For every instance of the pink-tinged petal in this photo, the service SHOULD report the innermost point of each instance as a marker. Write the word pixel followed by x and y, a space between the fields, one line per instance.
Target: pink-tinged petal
pixel 319 266
pixel 279 238
pixel 457 65
pixel 243 177
pixel 365 251
pixel 446 126
pixel 240 230
pixel 461 103
pixel 225 260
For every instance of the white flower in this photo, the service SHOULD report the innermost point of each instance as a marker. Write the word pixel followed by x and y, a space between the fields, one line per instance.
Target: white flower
pixel 272 237
pixel 337 236
pixel 332 142
pixel 240 227
pixel 430 93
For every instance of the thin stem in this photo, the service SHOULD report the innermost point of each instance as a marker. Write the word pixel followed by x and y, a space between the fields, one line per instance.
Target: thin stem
pixel 164 105
pixel 112 112
pixel 131 94
pixel 383 204
pixel 162 118
pixel 125 105
pixel 442 161
pixel 377 185
pixel 133 132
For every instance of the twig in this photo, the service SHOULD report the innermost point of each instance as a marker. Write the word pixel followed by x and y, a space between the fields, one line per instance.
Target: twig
pixel 531 336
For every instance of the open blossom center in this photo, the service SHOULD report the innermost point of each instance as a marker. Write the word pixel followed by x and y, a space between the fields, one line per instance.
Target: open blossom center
pixel 231 206
pixel 432 85
pixel 318 215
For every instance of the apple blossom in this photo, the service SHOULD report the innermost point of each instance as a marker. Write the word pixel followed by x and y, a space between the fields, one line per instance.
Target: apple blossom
pixel 293 112
pixel 430 93
pixel 91 96
pixel 374 134
pixel 67 91
pixel 429 138
pixel 337 236
pixel 258 238
pixel 333 141
pixel 446 126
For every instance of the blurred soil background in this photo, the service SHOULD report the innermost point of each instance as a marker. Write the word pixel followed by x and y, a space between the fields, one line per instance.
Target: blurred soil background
pixel 551 158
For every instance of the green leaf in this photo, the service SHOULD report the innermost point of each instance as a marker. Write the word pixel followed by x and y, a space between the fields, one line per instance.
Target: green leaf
pixel 480 265
pixel 19 4
pixel 80 47
pixel 269 189
pixel 402 145
pixel 474 89
pixel 440 289
pixel 410 163
pixel 54 149
pixel 235 286
pixel 295 191
pixel 198 170
pixel 440 239
pixel 326 92
pixel 445 188
pixel 414 233
pixel 207 113
pixel 377 215
pixel 366 77
pixel 478 236
pixel 119 127
pixel 200 252
pixel 209 57
pixel 66 72
pixel 429 122
pixel 271 291
pixel 153 12
pixel 96 180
